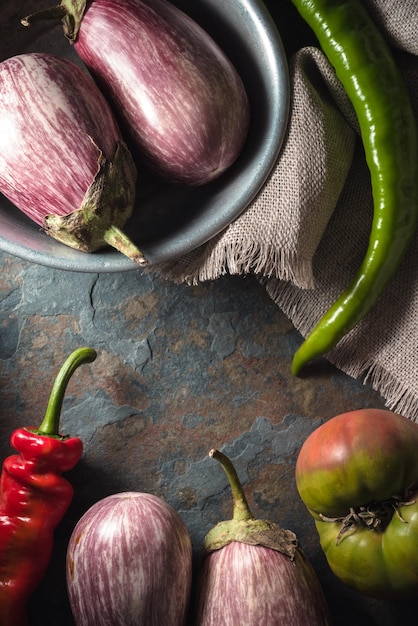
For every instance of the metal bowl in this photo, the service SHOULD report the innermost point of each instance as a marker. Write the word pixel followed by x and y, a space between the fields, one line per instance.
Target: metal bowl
pixel 171 220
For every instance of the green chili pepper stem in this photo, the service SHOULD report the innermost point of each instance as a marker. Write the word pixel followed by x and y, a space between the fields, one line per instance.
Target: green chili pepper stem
pixel 50 423
pixel 241 509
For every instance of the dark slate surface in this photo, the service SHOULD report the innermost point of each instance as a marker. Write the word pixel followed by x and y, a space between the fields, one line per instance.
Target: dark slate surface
pixel 179 370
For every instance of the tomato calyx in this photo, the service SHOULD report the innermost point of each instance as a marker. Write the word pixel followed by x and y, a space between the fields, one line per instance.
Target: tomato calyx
pixel 373 516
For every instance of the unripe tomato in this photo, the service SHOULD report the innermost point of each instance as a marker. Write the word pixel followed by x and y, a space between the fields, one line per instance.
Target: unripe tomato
pixel 358 476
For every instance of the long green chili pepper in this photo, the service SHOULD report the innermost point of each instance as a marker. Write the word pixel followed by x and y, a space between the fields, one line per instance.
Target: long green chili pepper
pixel 367 70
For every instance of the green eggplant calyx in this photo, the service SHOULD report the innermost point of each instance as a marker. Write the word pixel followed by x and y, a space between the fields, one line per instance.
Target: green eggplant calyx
pixel 70 12
pixel 243 527
pixel 106 207
pixel 375 516
pixel 51 421
pixel 254 532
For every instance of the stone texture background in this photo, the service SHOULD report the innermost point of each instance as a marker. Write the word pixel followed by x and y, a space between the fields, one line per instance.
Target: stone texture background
pixel 179 370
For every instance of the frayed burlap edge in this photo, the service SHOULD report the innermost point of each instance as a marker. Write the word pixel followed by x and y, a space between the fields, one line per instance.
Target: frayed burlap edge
pixel 246 258
pixel 396 395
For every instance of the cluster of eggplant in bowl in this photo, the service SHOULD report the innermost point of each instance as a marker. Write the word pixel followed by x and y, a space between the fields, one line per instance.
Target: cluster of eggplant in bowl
pixel 171 215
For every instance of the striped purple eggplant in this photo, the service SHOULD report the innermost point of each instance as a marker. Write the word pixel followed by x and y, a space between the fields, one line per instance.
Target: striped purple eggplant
pixel 253 585
pixel 129 563
pixel 63 161
pixel 179 97
pixel 254 573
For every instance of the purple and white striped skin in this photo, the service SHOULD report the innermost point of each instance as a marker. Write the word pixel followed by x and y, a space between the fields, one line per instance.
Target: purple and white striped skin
pixel 178 96
pixel 63 161
pixel 251 585
pixel 129 563
pixel 52 120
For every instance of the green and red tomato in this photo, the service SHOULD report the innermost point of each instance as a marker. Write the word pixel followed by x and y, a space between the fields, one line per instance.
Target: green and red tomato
pixel 358 476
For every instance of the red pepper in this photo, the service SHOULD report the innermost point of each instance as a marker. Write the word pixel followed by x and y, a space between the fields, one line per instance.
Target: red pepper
pixel 34 498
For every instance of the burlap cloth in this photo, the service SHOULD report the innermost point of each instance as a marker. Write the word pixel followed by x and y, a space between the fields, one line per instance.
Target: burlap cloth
pixel 306 232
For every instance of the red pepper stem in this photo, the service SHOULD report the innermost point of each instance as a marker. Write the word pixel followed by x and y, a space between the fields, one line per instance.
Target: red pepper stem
pixel 51 422
pixel 241 510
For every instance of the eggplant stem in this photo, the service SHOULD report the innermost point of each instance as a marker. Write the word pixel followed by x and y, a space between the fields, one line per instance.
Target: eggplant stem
pixel 50 423
pixel 52 13
pixel 116 238
pixel 241 510
pixel 70 12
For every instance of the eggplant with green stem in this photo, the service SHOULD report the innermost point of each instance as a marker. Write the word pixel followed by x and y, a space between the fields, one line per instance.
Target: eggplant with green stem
pixel 63 161
pixel 254 572
pixel 178 96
